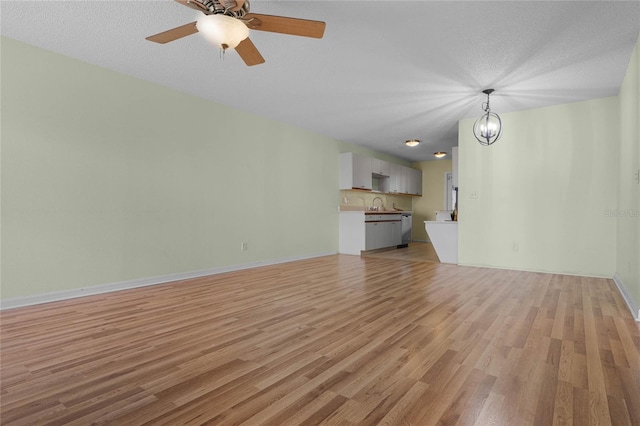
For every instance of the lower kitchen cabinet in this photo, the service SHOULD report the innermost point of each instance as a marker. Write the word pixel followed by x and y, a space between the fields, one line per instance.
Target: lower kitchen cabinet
pixel 368 232
pixel 382 234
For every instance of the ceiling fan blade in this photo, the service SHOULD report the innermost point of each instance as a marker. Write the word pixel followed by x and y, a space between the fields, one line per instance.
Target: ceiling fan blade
pixel 194 4
pixel 249 53
pixel 284 25
pixel 174 34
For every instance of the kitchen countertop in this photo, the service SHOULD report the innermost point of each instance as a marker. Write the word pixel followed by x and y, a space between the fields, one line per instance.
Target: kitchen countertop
pixel 386 212
pixel 375 212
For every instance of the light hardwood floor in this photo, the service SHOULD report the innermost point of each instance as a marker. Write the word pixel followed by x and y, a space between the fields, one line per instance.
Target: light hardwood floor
pixel 416 252
pixel 339 340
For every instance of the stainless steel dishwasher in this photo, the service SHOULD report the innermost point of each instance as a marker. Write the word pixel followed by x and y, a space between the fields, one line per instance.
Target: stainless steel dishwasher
pixel 406 229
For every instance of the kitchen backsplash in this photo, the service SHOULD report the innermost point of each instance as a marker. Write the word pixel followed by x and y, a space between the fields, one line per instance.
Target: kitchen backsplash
pixel 364 199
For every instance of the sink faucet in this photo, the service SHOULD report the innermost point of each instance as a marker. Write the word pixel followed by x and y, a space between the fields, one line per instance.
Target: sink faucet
pixel 373 203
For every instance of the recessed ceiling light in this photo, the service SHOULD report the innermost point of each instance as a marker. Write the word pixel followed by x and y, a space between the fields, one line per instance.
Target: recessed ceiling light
pixel 439 154
pixel 412 142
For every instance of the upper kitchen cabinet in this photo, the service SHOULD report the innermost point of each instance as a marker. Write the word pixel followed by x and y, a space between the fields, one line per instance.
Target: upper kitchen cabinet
pixel 380 167
pixel 405 180
pixel 360 172
pixel 355 171
pixel 397 179
pixel 414 181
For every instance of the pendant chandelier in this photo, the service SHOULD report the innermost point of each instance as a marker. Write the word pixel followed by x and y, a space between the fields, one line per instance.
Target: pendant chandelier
pixel 488 127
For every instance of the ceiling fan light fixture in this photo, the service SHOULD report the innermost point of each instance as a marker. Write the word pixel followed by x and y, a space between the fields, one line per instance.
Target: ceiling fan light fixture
pixel 412 142
pixel 222 30
pixel 488 128
pixel 440 154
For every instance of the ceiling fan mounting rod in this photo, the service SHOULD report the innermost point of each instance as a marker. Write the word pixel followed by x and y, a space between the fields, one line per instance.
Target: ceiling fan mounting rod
pixel 225 7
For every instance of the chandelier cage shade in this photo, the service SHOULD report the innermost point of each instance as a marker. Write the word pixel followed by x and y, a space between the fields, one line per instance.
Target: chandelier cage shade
pixel 488 128
pixel 222 30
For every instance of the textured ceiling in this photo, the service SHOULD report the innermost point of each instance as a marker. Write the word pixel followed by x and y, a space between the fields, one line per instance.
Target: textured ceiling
pixel 386 71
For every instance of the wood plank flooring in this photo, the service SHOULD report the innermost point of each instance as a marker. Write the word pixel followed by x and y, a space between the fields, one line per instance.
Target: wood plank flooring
pixel 416 252
pixel 337 340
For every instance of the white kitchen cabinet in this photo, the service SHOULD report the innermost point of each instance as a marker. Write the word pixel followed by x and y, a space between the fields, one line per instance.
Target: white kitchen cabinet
pixel 384 230
pixel 394 234
pixel 359 231
pixel 414 181
pixel 359 172
pixel 379 167
pixel 405 180
pixel 355 171
pixel 397 179
pixel 382 234
pixel 373 235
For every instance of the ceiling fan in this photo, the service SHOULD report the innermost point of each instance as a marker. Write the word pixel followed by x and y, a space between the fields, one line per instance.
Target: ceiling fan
pixel 226 23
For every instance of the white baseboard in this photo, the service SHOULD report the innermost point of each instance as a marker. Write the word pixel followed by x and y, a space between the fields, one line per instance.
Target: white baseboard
pixel 55 296
pixel 633 307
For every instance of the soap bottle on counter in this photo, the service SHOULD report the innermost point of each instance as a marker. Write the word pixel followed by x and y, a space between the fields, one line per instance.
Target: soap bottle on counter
pixel 454 215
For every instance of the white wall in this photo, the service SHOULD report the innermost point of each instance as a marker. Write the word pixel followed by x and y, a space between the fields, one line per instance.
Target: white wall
pixel 538 198
pixel 107 178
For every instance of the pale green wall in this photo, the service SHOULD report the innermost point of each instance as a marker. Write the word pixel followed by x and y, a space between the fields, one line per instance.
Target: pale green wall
pixel 628 212
pixel 347 147
pixel 107 178
pixel 543 191
pixel 424 208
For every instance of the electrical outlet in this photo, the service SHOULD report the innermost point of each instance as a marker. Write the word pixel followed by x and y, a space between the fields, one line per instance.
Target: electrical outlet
pixel 243 246
pixel 636 176
pixel 473 195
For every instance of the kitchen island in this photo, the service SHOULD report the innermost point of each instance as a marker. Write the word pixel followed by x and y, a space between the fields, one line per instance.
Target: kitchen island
pixel 444 237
